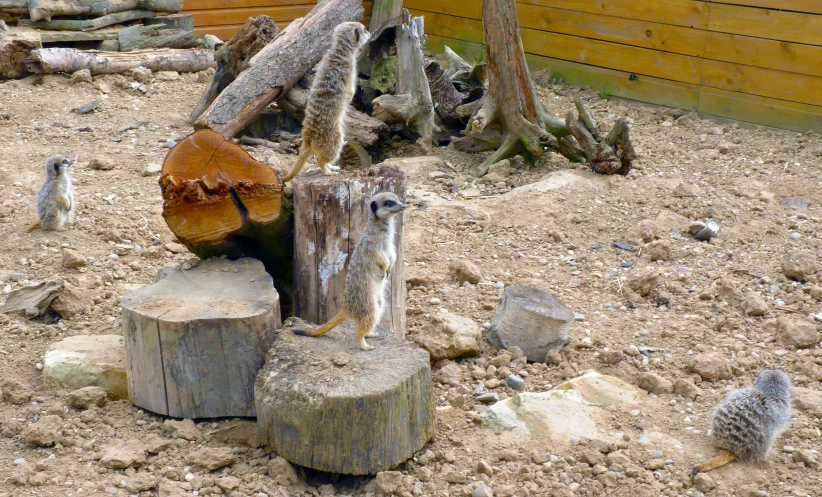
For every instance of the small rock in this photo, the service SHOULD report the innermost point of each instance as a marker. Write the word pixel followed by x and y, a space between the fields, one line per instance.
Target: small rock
pixel 796 333
pixel 800 267
pixel 44 432
pixel 167 76
pixel 81 76
pixel 660 250
pixel 71 301
pixel 482 491
pixel 88 360
pixel 703 483
pixel 212 458
pixel 654 464
pixel 449 336
pixel 687 389
pixel 388 482
pixel 141 482
pixel 89 107
pixel 652 382
pixel 805 456
pixel 450 374
pixel 794 203
pixel 185 429
pixel 228 483
pixel 101 164
pixel 716 131
pixel 553 358
pixel 86 397
pixel 128 454
pixel 515 352
pixel 152 169
pixel 175 248
pixel 488 398
pixel 484 468
pixel 809 401
pixel 109 46
pixel 711 366
pixel 73 259
pixel 515 382
pixel 141 74
pixel 643 282
pixel 466 271
pixel 16 392
pixel 611 357
pixel 754 305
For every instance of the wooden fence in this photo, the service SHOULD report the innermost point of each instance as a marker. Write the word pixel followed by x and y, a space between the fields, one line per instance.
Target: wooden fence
pixel 758 61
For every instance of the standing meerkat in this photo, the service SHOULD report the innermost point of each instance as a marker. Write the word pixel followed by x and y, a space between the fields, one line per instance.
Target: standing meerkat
pixel 748 421
pixel 370 265
pixel 332 91
pixel 55 200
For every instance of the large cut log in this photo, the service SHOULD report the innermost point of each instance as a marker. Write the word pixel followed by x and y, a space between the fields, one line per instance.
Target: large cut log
pixel 69 60
pixel 532 320
pixel 330 212
pixel 325 404
pixel 141 37
pixel 12 10
pixel 218 200
pixel 234 56
pixel 14 49
pixel 412 103
pixel 196 339
pixel 90 24
pixel 278 66
pixel 45 9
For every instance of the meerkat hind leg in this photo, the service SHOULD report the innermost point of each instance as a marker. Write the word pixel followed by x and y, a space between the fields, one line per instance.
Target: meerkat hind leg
pixel 365 330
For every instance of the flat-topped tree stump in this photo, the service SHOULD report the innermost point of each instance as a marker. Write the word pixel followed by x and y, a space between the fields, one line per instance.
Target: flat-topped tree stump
pixel 532 320
pixel 218 200
pixel 195 339
pixel 325 404
pixel 330 213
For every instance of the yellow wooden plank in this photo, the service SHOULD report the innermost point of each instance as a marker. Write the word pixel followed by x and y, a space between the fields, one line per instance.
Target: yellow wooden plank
pixel 642 61
pixel 241 15
pixel 771 54
pixel 472 9
pixel 225 32
pixel 810 6
pixel 687 13
pixel 222 4
pixel 760 110
pixel 763 82
pixel 765 23
pixel 608 81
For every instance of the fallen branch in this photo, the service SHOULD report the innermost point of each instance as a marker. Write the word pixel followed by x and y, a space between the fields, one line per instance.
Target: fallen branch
pixel 45 9
pixel 89 24
pixel 69 60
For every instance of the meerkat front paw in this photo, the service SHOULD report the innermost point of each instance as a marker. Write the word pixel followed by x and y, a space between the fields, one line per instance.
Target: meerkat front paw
pixel 365 346
pixel 372 334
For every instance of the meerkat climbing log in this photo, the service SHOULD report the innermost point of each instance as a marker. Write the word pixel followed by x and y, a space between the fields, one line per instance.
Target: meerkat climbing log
pixel 330 212
pixel 325 404
pixel 195 339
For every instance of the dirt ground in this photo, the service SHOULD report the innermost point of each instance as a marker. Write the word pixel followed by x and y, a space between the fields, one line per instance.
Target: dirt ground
pixel 724 296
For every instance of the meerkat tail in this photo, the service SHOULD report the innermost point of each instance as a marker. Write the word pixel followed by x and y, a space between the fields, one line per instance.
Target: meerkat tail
pixel 302 158
pixel 33 226
pixel 722 459
pixel 322 330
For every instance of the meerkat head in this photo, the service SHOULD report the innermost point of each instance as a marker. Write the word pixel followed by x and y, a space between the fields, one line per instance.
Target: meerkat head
pixel 773 383
pixel 386 205
pixel 353 33
pixel 57 165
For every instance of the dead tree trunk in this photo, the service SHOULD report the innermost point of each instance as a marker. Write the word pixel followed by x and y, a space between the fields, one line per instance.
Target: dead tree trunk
pixel 69 60
pixel 446 98
pixel 278 66
pixel 44 9
pixel 234 56
pixel 612 154
pixel 412 103
pixel 14 49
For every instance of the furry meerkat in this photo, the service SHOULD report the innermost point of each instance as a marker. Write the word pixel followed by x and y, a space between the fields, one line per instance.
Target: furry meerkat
pixel 748 421
pixel 371 263
pixel 333 88
pixel 55 200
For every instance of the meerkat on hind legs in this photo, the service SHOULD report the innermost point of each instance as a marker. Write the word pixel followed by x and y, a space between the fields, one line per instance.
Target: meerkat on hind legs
pixel 746 423
pixel 55 200
pixel 370 265
pixel 334 86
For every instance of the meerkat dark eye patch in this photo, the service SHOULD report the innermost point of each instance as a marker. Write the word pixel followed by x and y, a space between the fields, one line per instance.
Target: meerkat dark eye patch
pixel 56 167
pixel 390 203
pixel 374 207
pixel 357 35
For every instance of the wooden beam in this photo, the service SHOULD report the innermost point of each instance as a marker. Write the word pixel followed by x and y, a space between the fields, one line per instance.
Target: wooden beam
pixel 760 110
pixel 763 82
pixel 771 54
pixel 765 23
pixel 89 24
pixel 809 6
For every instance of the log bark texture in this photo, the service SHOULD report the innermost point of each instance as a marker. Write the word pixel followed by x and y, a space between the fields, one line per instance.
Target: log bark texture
pixel 412 102
pixel 142 37
pixel 218 200
pixel 611 154
pixel 184 22
pixel 330 213
pixel 531 319
pixel 234 56
pixel 325 404
pixel 278 66
pixel 12 10
pixel 446 98
pixel 69 60
pixel 14 49
pixel 45 9
pixel 196 339
pixel 90 24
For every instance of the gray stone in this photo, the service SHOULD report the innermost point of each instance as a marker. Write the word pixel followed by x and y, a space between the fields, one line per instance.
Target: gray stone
pixel 450 374
pixel 515 382
pixel 449 336
pixel 754 305
pixel 488 398
pixel 482 490
pixel 152 169
pixel 87 360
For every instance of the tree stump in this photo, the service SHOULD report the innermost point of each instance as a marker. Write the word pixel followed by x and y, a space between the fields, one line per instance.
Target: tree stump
pixel 195 339
pixel 532 320
pixel 325 404
pixel 330 212
pixel 14 48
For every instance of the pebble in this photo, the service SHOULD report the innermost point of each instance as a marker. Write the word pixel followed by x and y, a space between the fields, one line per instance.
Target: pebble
pixel 113 257
pixel 788 449
pixel 482 491
pixel 515 382
pixel 488 398
pixel 579 317
pixel 189 477
pixel 18 462
pixel 170 143
pixel 500 285
pixel 435 301
pixel 796 236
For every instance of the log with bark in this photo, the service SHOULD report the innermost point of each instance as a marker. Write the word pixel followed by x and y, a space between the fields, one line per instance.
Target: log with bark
pixel 90 24
pixel 278 66
pixel 45 9
pixel 184 22
pixel 195 340
pixel 330 212
pixel 14 49
pixel 234 56
pixel 141 37
pixel 445 96
pixel 325 404
pixel 218 200
pixel 12 10
pixel 69 60
pixel 412 104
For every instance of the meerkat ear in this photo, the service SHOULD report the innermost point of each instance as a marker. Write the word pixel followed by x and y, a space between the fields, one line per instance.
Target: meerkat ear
pixel 374 206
